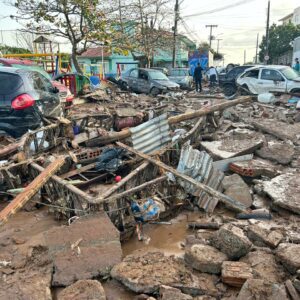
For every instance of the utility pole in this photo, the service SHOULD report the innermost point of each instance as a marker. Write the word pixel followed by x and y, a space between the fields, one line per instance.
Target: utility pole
pixel 210 35
pixel 256 55
pixel 267 35
pixel 218 44
pixel 176 10
pixel 245 56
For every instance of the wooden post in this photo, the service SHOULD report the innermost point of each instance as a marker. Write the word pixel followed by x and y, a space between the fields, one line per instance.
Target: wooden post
pixel 21 199
pixel 223 198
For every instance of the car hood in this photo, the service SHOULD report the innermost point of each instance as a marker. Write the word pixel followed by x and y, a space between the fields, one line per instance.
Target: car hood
pixel 166 83
pixel 179 78
pixel 297 79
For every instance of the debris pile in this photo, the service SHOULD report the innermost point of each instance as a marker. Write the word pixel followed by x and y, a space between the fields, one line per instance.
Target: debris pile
pixel 120 160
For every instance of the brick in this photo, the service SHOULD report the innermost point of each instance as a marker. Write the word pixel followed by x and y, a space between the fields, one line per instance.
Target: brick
pixel 235 273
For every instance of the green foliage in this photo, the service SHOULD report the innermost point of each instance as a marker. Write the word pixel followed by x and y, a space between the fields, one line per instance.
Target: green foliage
pixel 205 46
pixel 13 50
pixel 280 40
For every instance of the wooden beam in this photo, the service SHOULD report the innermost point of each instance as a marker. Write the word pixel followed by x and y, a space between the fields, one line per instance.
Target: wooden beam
pixel 78 171
pixel 33 187
pixel 221 197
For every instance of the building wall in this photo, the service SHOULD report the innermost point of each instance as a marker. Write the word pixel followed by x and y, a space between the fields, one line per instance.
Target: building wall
pixel 296 16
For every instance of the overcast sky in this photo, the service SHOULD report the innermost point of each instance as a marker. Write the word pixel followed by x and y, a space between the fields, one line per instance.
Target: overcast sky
pixel 237 26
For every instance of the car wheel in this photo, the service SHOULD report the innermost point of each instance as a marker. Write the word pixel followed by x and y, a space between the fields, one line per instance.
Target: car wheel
pixel 155 91
pixel 245 90
pixel 229 90
pixel 294 91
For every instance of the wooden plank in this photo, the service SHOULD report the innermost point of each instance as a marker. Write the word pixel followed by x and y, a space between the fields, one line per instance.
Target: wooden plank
pixel 34 186
pixel 221 197
pixel 78 171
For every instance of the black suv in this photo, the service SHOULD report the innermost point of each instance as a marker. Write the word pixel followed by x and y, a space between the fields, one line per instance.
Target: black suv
pixel 25 98
pixel 227 82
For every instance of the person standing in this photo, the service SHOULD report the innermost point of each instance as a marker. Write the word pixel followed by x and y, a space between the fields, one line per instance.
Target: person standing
pixel 212 73
pixel 198 78
pixel 297 65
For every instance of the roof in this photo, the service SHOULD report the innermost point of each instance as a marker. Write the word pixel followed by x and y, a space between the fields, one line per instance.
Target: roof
pixel 11 61
pixel 12 70
pixel 42 40
pixel 274 67
pixel 287 17
pixel 96 52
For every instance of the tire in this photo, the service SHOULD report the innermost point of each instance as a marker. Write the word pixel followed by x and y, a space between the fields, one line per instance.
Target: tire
pixel 155 91
pixel 229 90
pixel 295 91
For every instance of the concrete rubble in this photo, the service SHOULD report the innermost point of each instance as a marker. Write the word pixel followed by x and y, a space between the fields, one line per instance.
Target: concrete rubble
pixel 121 165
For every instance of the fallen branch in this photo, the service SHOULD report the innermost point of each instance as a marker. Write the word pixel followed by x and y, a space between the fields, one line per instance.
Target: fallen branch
pixel 196 225
pixel 223 198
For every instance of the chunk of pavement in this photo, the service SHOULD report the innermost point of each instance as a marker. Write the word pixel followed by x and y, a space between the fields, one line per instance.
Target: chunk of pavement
pixel 205 258
pixel 86 249
pixel 261 236
pixel 289 256
pixel 257 289
pixel 284 190
pixel 83 289
pixel 145 271
pixel 232 241
pixel 170 293
pixel 264 266
pixel 236 188
pixel 280 152
pixel 235 273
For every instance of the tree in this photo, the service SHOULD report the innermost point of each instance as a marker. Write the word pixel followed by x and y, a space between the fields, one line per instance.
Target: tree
pixel 81 22
pixel 280 40
pixel 13 50
pixel 205 46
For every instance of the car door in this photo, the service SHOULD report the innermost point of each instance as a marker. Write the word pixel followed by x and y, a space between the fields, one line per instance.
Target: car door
pixel 48 100
pixel 133 80
pixel 271 80
pixel 144 82
pixel 249 80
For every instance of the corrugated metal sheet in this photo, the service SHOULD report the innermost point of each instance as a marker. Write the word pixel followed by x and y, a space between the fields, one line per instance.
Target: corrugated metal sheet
pixel 199 165
pixel 152 135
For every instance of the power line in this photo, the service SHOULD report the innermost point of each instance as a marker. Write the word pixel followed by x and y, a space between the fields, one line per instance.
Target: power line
pixel 220 8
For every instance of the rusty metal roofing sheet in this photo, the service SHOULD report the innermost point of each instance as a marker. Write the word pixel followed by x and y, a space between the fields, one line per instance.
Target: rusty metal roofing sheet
pixel 152 135
pixel 199 165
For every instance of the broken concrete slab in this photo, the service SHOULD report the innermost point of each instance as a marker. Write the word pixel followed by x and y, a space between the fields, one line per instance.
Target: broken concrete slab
pixel 235 273
pixel 257 289
pixel 279 152
pixel 170 293
pixel 264 266
pixel 236 143
pixel 284 191
pixel 236 188
pixel 146 271
pixel 83 289
pixel 289 256
pixel 88 248
pixel 205 258
pixel 254 168
pixel 232 241
pixel 262 236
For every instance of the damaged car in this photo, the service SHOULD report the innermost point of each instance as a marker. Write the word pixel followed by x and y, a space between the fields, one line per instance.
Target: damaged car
pixel 183 77
pixel 148 81
pixel 26 97
pixel 265 79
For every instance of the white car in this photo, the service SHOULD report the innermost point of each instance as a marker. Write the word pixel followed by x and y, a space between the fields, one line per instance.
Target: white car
pixel 264 79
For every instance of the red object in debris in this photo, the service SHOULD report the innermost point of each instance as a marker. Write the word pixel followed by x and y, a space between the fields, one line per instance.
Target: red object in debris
pixel 118 178
pixel 22 101
pixel 127 122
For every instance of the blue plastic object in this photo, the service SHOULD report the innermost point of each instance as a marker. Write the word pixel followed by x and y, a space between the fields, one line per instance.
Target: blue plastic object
pixel 95 80
pixel 146 212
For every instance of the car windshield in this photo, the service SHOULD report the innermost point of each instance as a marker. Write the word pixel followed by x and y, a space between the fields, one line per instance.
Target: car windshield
pixel 156 75
pixel 33 68
pixel 289 73
pixel 179 73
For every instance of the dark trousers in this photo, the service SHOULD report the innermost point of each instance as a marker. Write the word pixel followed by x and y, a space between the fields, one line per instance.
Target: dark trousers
pixel 198 84
pixel 213 80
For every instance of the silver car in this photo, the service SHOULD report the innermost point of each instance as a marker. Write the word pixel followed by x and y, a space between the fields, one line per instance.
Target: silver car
pixel 182 77
pixel 148 81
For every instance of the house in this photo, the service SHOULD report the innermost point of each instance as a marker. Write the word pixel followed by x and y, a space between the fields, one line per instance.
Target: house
pixel 294 17
pixel 113 62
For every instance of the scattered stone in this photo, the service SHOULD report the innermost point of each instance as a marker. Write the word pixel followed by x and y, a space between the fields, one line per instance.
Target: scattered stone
pixel 205 258
pixel 264 266
pixel 296 283
pixel 257 289
pixel 259 202
pixel 291 290
pixel 277 151
pixel 284 190
pixel 289 256
pixel 170 293
pixel 236 188
pixel 18 241
pixel 232 241
pixel 83 289
pixel 145 272
pixel 261 236
pixel 204 298
pixel 235 273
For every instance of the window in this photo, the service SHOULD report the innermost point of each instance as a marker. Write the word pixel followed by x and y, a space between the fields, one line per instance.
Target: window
pixel 9 83
pixel 156 75
pixel 143 75
pixel 134 73
pixel 273 75
pixel 289 73
pixel 39 82
pixel 179 73
pixel 251 74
